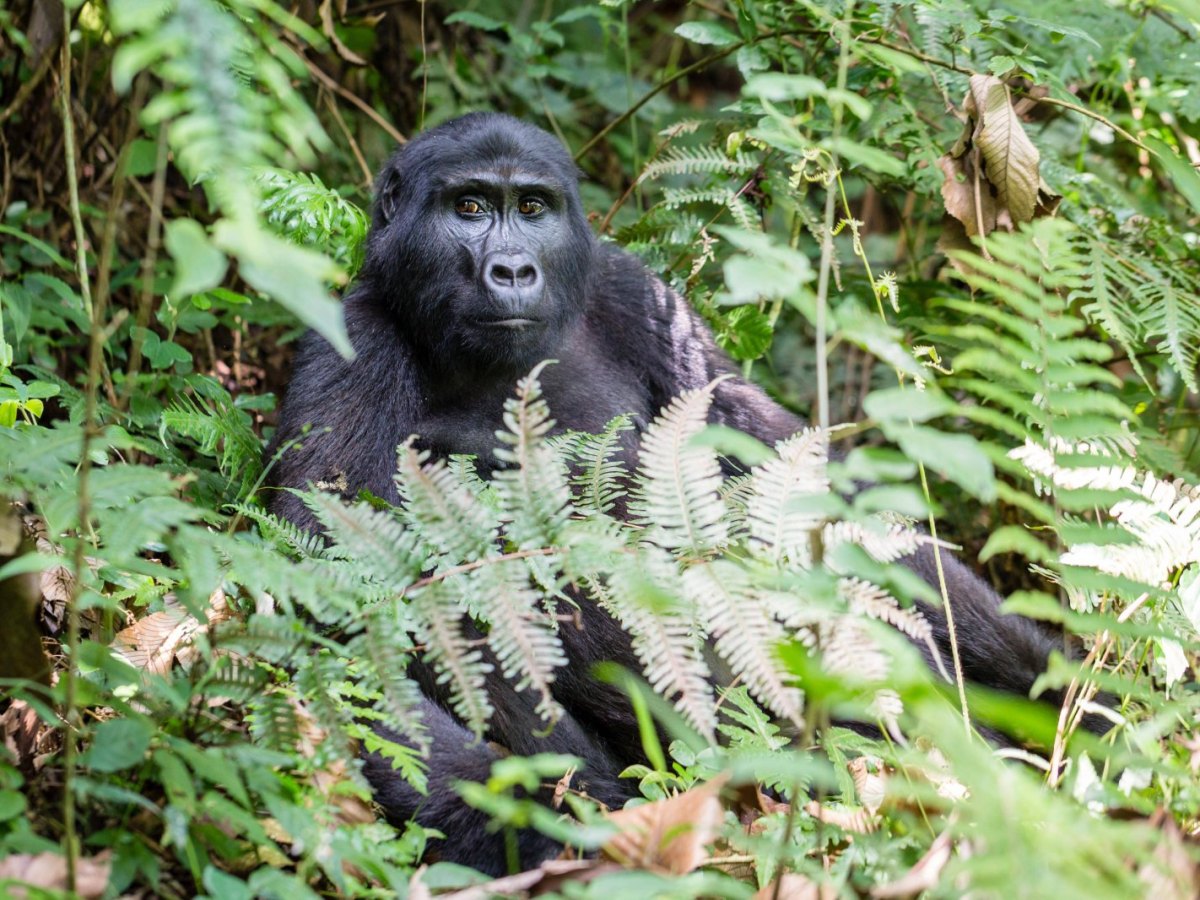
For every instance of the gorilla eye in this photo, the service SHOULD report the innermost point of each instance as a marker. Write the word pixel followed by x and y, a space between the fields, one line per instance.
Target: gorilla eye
pixel 465 206
pixel 530 206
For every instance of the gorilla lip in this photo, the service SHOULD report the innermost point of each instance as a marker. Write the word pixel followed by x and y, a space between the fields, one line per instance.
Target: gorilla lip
pixel 514 322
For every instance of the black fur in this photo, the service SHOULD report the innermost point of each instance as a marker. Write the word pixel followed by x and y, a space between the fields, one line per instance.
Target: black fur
pixel 426 364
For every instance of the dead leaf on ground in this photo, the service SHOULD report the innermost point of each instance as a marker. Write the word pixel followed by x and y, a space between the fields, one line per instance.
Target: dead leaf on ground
pixel 155 642
pixel 847 818
pixel 1171 871
pixel 924 874
pixel 793 886
pixel 668 835
pixel 29 740
pixel 48 872
pixel 549 876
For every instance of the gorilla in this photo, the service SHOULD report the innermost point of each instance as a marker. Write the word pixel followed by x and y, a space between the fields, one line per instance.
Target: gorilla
pixel 479 264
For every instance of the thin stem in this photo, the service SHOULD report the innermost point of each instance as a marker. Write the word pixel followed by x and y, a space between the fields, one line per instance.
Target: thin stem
pixel 71 715
pixel 827 235
pixel 149 262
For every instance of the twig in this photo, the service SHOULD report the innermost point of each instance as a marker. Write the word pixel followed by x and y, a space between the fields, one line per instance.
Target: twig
pixel 27 89
pixel 329 82
pixel 658 89
pixel 337 117
pixel 1084 111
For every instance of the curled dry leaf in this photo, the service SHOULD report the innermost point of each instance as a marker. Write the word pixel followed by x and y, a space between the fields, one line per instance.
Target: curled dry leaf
pixel 1009 157
pixel 48 872
pixel 668 835
pixel 28 740
pixel 992 177
pixel 351 809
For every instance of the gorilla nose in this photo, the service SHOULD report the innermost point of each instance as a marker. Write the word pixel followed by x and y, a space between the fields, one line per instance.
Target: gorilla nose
pixel 513 279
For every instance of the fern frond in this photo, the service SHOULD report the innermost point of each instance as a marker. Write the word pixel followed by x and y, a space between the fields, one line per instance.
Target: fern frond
pixel 521 636
pixel 1174 315
pixel 698 160
pixel 223 431
pixel 883 541
pixel 678 493
pixel 780 531
pixel 663 633
pixel 441 511
pixel 533 491
pixel 285 535
pixel 437 611
pixel 377 540
pixel 745 633
pixel 387 647
pixel 600 476
pixel 301 208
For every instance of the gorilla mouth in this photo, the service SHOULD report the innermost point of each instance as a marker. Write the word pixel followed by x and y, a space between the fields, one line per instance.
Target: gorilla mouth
pixel 514 323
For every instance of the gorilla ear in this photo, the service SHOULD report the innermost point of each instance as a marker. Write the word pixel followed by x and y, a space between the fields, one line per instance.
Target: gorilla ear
pixel 387 195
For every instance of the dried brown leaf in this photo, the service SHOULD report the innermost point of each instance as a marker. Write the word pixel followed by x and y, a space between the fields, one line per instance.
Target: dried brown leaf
pixel 668 835
pixel 961 184
pixel 48 872
pixel 1010 159
pixel 869 781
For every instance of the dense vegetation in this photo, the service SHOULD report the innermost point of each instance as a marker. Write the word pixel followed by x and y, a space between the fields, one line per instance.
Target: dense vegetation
pixel 960 238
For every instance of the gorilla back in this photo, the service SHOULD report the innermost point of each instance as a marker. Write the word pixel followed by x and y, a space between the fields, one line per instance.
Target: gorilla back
pixel 480 263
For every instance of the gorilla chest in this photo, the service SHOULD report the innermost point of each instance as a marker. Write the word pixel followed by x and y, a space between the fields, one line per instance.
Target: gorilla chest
pixel 583 394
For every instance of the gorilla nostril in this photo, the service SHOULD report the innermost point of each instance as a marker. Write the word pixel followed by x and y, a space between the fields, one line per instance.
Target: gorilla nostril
pixel 526 276
pixel 503 275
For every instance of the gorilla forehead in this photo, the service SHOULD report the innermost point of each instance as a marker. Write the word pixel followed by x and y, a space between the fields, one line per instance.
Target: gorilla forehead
pixel 488 142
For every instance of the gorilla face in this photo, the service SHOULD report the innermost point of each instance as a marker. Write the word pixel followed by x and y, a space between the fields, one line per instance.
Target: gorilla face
pixel 480 244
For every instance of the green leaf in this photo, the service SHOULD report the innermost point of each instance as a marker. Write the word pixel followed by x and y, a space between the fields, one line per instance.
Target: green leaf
pixel 294 276
pixel 711 33
pixel 199 266
pixel 143 158
pixel 12 804
pixel 957 457
pixel 906 404
pixel 1181 173
pixel 869 157
pixel 476 20
pixel 118 744
pixel 778 87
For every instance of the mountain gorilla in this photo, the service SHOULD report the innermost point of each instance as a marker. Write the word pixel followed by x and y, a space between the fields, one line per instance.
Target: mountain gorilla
pixel 480 263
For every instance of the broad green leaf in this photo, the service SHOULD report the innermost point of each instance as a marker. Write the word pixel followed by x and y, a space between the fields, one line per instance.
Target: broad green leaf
pixel 199 266
pixel 957 457
pixel 294 276
pixel 905 404
pixel 1181 172
pixel 475 20
pixel 118 744
pixel 707 33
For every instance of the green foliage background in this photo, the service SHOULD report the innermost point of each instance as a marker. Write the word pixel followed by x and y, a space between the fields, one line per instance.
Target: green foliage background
pixel 184 189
